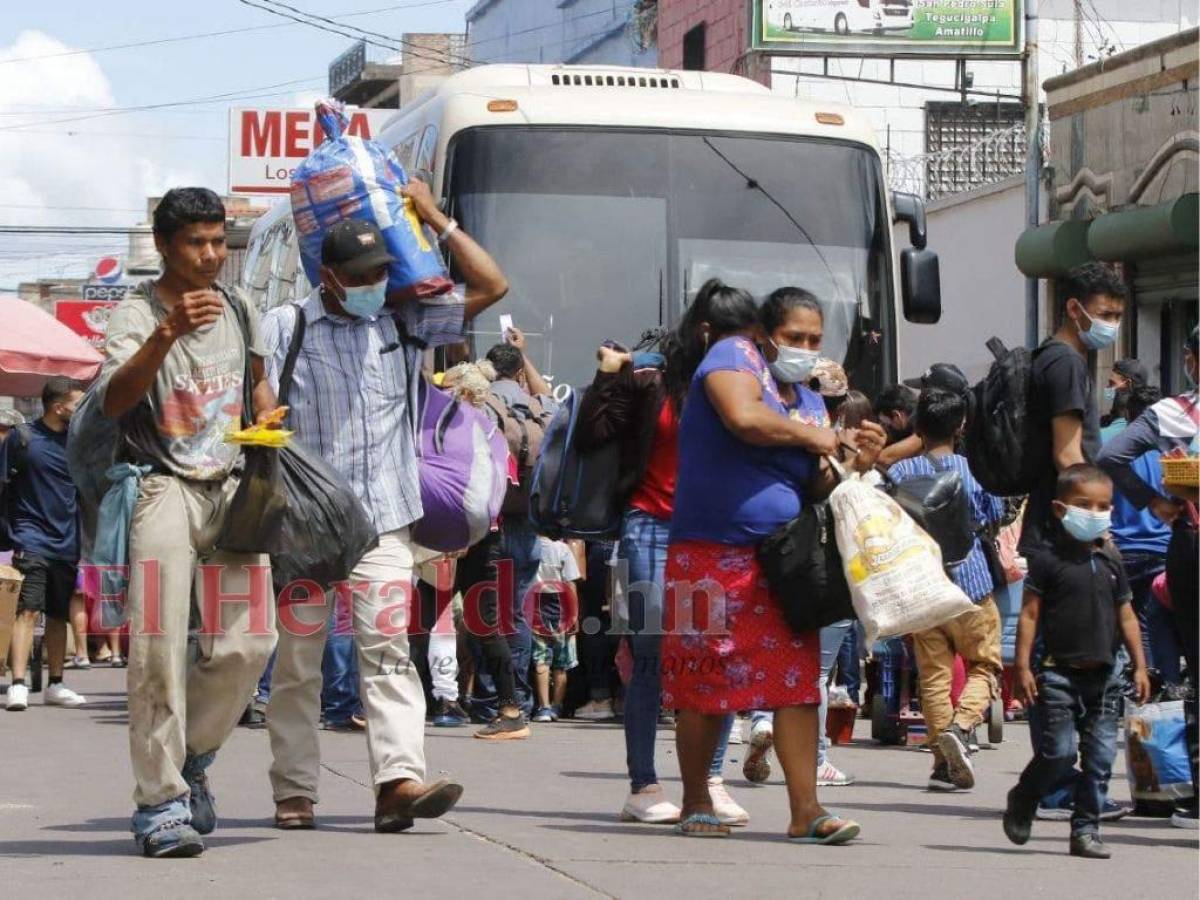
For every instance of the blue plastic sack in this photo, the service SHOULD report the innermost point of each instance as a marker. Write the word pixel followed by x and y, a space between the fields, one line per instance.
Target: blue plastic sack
pixel 350 178
pixel 1156 755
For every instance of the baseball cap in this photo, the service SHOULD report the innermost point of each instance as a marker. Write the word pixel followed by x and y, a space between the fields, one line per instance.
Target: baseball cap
pixel 946 376
pixel 1133 370
pixel 829 379
pixel 11 418
pixel 356 246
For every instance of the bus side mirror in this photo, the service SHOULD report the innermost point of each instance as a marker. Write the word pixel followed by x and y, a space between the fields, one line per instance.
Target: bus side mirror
pixel 921 286
pixel 911 209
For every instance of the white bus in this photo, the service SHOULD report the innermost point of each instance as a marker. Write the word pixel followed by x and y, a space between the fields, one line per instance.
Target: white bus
pixel 840 16
pixel 609 195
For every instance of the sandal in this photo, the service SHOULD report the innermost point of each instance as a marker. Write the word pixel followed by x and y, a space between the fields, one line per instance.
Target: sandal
pixel 847 832
pixel 688 827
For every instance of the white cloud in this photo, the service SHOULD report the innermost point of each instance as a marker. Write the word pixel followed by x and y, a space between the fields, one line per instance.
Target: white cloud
pixel 48 176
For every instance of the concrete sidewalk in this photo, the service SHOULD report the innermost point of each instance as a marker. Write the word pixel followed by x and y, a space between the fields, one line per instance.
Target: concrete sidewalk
pixel 538 819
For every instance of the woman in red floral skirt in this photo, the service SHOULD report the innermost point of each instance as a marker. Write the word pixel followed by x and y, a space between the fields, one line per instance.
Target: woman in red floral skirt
pixel 744 468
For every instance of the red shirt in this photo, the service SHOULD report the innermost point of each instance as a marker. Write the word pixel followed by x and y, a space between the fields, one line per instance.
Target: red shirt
pixel 655 496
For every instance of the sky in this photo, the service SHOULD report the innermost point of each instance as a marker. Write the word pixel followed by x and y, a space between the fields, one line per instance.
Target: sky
pixel 66 158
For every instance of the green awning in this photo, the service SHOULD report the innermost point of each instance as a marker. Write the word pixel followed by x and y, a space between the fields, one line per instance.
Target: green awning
pixel 1146 231
pixel 1052 249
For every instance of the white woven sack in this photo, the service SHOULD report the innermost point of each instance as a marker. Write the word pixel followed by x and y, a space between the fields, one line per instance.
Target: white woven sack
pixel 894 569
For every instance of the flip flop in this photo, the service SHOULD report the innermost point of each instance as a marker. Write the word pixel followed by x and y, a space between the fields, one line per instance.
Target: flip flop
pixel 685 827
pixel 848 832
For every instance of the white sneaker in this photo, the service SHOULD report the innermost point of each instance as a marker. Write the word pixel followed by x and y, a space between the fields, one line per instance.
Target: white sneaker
pixel 757 766
pixel 724 806
pixel 18 697
pixel 830 775
pixel 1179 819
pixel 596 711
pixel 736 735
pixel 650 806
pixel 61 695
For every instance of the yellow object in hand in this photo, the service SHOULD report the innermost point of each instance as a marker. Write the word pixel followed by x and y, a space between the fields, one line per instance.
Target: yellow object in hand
pixel 266 433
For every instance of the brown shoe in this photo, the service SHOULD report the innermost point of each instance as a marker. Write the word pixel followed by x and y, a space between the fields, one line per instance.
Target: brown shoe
pixel 295 814
pixel 399 802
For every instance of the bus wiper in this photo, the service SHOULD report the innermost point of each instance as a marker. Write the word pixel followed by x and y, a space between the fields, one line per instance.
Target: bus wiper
pixel 755 185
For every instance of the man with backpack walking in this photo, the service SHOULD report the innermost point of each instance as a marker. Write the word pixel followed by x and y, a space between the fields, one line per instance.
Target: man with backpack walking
pixel 521 405
pixel 39 522
pixel 350 369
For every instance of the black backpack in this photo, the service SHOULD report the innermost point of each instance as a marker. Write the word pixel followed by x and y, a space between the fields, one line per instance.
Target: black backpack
pixel 573 494
pixel 804 568
pixel 18 439
pixel 999 432
pixel 939 504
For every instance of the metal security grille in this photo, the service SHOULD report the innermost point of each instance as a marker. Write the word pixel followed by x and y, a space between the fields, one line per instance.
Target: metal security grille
pixel 968 145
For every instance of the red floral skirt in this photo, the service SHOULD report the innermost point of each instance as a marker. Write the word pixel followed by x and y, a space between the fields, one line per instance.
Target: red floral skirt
pixel 727 647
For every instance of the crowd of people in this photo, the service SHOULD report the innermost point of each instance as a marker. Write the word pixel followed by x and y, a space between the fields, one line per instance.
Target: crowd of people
pixel 728 426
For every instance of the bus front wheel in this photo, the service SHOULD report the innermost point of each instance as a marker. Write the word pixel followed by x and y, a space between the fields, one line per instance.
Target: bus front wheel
pixel 787 22
pixel 841 25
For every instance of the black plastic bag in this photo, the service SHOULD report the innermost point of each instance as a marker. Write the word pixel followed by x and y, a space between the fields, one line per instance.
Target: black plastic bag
pixel 324 531
pixel 255 515
pixel 804 568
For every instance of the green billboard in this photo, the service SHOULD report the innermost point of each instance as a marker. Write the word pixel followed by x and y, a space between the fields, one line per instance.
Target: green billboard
pixel 954 28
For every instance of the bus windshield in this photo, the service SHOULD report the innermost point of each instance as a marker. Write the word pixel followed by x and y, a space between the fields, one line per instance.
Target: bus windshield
pixel 606 233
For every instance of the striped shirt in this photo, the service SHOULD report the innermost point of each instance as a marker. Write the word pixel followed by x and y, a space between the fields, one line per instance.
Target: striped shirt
pixel 973 575
pixel 353 394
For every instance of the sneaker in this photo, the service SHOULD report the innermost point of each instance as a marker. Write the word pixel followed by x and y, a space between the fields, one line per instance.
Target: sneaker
pixel 119 662
pixel 61 695
pixel 543 714
pixel 1018 823
pixel 736 735
pixel 504 728
pixel 953 744
pixel 449 714
pixel 1111 811
pixel 830 775
pixel 939 780
pixel 556 712
pixel 200 799
pixel 973 741
pixel 172 840
pixel 78 662
pixel 726 809
pixel 757 767
pixel 650 807
pixel 1089 846
pixel 666 719
pixel 1185 818
pixel 18 698
pixel 596 711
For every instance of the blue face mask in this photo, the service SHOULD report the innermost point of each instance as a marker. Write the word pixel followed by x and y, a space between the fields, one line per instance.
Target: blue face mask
pixel 1100 334
pixel 364 301
pixel 793 364
pixel 1085 525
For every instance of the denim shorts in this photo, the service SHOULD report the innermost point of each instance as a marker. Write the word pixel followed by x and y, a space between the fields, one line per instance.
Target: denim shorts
pixel 556 651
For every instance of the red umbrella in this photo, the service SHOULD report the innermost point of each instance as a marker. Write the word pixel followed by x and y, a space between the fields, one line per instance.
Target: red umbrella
pixel 35 346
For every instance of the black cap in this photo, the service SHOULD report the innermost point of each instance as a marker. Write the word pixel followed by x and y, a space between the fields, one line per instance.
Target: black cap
pixel 356 246
pixel 1133 370
pixel 946 376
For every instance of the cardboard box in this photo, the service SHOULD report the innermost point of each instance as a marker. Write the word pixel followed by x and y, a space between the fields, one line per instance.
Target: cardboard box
pixel 10 590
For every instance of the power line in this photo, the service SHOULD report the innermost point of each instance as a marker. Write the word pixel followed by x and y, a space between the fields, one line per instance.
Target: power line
pixel 72 229
pixel 117 134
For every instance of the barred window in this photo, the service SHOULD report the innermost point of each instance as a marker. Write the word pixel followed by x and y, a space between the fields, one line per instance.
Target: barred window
pixel 972 144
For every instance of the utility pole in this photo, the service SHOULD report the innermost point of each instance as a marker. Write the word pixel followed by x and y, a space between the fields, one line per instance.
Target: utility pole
pixel 1033 157
pixel 1079 34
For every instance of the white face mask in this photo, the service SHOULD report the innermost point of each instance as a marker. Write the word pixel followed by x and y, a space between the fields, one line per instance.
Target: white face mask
pixel 364 301
pixel 793 365
pixel 1100 334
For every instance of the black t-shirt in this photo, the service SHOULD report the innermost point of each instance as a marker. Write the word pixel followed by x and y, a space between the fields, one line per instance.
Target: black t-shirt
pixel 1081 586
pixel 1061 383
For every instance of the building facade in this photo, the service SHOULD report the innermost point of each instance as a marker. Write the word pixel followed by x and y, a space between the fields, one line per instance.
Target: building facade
pixel 576 32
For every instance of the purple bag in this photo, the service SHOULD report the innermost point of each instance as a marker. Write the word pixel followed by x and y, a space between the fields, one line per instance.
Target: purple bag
pixel 462 461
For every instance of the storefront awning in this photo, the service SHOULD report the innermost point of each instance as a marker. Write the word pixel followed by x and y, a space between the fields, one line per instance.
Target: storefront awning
pixel 1129 235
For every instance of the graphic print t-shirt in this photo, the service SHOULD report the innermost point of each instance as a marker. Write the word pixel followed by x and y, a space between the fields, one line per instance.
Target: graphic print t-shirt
pixel 197 396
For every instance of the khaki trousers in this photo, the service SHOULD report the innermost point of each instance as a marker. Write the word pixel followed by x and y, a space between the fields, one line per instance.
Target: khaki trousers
pixel 177 709
pixel 975 636
pixel 392 697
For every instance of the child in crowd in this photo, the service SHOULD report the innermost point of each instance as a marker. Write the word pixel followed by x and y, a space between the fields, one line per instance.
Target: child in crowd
pixel 1078 593
pixel 974 636
pixel 554 620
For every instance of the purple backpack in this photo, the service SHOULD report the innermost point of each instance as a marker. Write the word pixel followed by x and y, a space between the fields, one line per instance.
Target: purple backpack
pixel 462 460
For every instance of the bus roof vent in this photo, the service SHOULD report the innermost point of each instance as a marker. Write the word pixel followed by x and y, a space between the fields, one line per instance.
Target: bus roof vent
pixel 609 79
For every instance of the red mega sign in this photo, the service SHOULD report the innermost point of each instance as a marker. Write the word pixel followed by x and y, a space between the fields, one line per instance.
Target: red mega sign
pixel 266 145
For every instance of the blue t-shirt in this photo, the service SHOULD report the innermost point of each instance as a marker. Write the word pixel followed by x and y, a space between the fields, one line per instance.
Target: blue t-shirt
pixel 727 491
pixel 45 513
pixel 1139 530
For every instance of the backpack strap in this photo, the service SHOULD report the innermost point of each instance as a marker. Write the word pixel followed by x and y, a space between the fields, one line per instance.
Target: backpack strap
pixel 21 443
pixel 243 319
pixel 289 362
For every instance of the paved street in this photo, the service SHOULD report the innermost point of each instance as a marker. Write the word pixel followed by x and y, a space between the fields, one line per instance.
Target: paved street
pixel 538 819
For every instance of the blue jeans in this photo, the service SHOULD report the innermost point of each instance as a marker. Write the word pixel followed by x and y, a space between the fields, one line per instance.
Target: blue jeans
pixel 848 661
pixel 1160 640
pixel 263 692
pixel 832 639
pixel 339 677
pixel 1079 711
pixel 644 554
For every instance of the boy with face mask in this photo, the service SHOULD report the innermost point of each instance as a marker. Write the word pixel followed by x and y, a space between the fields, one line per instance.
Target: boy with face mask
pixel 1077 592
